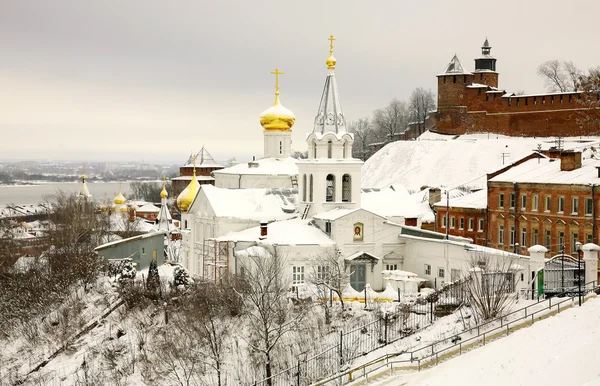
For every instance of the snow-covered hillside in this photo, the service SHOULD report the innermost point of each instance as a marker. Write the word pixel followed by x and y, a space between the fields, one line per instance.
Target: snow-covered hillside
pixel 444 161
pixel 556 351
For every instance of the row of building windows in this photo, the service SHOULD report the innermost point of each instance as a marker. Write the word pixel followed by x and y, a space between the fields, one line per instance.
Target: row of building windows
pixel 329 188
pixel 588 203
pixel 535 238
pixel 461 223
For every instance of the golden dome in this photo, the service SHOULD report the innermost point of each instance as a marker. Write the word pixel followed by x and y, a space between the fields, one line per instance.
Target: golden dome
pixel 123 209
pixel 163 192
pixel 277 117
pixel 120 199
pixel 187 196
pixel 331 60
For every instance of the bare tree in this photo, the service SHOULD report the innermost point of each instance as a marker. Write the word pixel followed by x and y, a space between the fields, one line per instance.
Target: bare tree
pixel 328 274
pixel 490 284
pixel 589 86
pixel 391 120
pixel 559 75
pixel 363 132
pixel 149 191
pixel 420 104
pixel 270 315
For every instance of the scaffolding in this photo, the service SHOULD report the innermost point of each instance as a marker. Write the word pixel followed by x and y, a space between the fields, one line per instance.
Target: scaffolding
pixel 215 257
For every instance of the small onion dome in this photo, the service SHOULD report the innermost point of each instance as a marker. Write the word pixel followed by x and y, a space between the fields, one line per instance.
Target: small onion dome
pixel 187 196
pixel 163 192
pixel 120 199
pixel 123 209
pixel 277 117
pixel 331 62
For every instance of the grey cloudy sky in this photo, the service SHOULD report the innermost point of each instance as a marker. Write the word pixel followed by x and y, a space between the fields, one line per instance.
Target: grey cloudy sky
pixel 152 80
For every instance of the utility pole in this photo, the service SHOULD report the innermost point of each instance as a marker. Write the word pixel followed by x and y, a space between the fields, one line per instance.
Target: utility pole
pixel 505 155
pixel 578 245
pixel 447 210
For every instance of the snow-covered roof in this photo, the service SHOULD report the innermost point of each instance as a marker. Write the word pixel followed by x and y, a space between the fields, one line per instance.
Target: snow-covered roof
pixel 336 213
pixel 399 275
pixel 189 178
pixel 476 200
pixel 129 239
pixel 390 202
pixel 547 171
pixel 252 204
pixel 360 254
pixel 463 160
pixel 266 166
pixel 148 208
pixel 203 159
pixel 287 232
pixel 454 67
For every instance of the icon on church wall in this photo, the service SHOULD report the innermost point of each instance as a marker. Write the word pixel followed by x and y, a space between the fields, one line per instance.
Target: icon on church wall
pixel 358 231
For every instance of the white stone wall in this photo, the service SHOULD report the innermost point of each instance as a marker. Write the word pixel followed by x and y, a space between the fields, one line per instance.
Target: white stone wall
pixel 278 144
pixel 250 181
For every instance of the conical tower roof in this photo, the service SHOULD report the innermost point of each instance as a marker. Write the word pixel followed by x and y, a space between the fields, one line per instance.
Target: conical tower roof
pixel 454 67
pixel 330 117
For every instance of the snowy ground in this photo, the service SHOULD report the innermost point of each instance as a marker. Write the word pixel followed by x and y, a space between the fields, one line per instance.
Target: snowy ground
pixel 452 162
pixel 556 351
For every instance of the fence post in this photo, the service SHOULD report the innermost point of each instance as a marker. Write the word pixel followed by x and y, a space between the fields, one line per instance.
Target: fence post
pixel 385 320
pixel 431 311
pixel 298 375
pixel 341 350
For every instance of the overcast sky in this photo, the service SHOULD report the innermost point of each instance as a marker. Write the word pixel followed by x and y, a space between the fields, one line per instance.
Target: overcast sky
pixel 153 80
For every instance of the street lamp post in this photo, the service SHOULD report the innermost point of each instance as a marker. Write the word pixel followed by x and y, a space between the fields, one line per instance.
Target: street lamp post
pixel 578 246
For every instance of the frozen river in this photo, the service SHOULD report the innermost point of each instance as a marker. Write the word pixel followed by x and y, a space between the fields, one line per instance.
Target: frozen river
pixel 35 194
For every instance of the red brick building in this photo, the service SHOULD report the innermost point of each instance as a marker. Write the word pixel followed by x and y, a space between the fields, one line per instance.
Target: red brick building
pixel 547 201
pixel 205 164
pixel 470 102
pixel 464 216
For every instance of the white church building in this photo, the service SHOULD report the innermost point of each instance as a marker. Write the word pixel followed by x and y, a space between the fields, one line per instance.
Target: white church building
pixel 306 208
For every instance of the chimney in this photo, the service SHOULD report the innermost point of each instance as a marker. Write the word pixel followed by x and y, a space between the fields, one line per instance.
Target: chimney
pixel 570 160
pixel 263 230
pixel 435 195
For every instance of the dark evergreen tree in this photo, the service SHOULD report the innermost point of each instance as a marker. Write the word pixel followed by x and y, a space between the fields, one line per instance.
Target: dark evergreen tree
pixel 153 281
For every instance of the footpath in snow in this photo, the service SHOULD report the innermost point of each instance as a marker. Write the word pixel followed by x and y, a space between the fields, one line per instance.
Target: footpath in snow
pixel 558 351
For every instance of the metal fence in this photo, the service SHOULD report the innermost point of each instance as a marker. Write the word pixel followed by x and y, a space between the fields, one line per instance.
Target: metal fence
pixel 408 317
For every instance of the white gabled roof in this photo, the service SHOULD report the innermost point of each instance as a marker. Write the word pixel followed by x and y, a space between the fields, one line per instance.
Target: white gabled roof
pixel 390 202
pixel 266 166
pixel 287 232
pixel 252 204
pixel 148 208
pixel 336 213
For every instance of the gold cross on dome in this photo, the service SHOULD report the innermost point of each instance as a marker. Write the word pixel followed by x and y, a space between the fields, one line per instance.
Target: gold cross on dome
pixel 331 39
pixel 276 73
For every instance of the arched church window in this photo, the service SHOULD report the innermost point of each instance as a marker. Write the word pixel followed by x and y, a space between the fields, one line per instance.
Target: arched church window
pixel 310 189
pixel 314 149
pixel 304 188
pixel 329 150
pixel 346 188
pixel 330 188
pixel 344 149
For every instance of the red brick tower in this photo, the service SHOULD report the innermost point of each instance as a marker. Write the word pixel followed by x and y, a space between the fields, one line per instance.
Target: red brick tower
pixel 485 67
pixel 452 98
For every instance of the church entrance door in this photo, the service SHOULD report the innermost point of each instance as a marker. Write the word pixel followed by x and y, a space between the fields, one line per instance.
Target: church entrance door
pixel 358 278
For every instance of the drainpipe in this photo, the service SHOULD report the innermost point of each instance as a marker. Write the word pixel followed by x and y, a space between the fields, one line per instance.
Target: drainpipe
pixel 517 203
pixel 487 221
pixel 447 216
pixel 593 214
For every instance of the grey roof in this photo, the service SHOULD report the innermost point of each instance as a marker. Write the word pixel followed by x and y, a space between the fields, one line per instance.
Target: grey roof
pixel 454 67
pixel 330 118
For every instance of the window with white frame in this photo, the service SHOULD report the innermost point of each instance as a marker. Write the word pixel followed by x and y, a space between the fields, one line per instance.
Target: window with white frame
pixel 441 272
pixel 574 205
pixel 561 239
pixel 574 241
pixel 297 275
pixel 391 267
pixel 589 206
pixel 444 220
pixel 454 275
pixel 452 222
pixel 534 237
pixel 461 223
pixel 501 234
pixel 561 204
pixel 480 225
pixel 513 200
pixel 523 202
pixel 427 269
pixel 323 273
pixel 534 203
pixel 523 237
pixel 501 200
pixel 548 239
pixel 471 224
pixel 512 236
pixel 548 204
